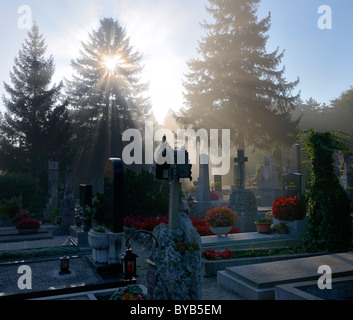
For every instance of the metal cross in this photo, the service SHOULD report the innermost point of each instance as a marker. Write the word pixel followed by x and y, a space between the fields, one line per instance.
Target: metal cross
pixel 241 167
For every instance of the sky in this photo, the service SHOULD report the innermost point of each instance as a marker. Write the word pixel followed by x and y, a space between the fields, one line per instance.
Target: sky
pixel 167 33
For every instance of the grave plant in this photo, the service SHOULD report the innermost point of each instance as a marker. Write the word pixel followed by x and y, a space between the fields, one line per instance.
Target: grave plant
pixel 329 208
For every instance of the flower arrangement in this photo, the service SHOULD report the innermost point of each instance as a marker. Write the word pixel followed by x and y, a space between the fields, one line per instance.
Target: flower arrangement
pixel 211 254
pixel 130 292
pixel 221 217
pixel 28 224
pixel 288 209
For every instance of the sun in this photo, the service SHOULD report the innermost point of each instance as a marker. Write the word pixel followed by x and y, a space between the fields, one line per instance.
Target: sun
pixel 111 63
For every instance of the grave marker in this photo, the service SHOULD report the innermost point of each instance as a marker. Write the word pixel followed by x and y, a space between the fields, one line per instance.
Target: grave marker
pixel 241 168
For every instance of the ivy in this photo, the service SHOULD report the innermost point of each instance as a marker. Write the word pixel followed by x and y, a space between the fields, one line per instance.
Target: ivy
pixel 330 222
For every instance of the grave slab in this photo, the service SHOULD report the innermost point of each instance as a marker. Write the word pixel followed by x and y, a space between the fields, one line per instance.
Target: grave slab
pixel 257 282
pixel 248 240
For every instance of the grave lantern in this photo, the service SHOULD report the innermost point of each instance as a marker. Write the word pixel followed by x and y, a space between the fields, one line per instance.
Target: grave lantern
pixel 65 265
pixel 129 264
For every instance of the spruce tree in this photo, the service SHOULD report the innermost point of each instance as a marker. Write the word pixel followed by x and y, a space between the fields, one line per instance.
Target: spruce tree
pixel 107 96
pixel 235 84
pixel 34 128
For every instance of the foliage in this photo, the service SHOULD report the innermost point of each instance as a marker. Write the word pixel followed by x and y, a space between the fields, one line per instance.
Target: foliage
pixel 132 290
pixel 100 229
pixel 264 220
pixel 98 206
pixel 35 126
pixel 144 195
pixel 184 246
pixel 236 83
pixel 9 208
pixel 28 224
pixel 33 253
pixel 21 215
pixel 106 100
pixel 281 227
pixel 329 208
pixel 221 217
pixel 289 209
pixel 87 212
pixel 211 254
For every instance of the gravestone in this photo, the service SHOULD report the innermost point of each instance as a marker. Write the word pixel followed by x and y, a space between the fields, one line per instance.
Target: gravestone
pixel 267 183
pixel 293 184
pixel 203 200
pixel 53 174
pixel 114 206
pixel 67 210
pixel 243 201
pixel 85 195
pixel 177 271
pixel 294 181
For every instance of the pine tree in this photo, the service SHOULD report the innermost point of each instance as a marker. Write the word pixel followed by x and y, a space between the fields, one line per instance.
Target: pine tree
pixel 34 128
pixel 235 83
pixel 107 96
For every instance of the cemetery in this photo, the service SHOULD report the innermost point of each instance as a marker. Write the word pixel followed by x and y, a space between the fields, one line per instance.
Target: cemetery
pixel 85 260
pixel 234 197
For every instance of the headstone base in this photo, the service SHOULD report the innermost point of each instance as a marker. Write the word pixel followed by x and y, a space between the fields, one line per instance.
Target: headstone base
pixel 243 203
pixel 116 244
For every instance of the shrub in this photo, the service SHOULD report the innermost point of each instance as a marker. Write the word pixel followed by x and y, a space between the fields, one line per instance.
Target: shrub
pixel 330 222
pixel 21 215
pixel 28 224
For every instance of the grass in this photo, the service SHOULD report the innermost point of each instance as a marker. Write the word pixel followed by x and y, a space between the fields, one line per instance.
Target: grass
pixel 36 253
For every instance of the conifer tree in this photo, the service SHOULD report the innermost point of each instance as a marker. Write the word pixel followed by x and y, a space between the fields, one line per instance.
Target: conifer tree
pixel 107 97
pixel 34 127
pixel 235 84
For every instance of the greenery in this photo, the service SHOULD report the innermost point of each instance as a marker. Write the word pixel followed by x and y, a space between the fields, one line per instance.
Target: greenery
pixel 236 84
pixel 329 209
pixel 35 126
pixel 35 253
pixel 211 254
pixel 100 229
pixel 132 289
pixel 106 95
pixel 21 188
pixel 144 195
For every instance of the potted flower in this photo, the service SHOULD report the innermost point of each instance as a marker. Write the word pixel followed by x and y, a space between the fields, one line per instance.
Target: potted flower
pixel 281 228
pixel 221 220
pixel 98 239
pixel 263 224
pixel 292 211
pixel 27 226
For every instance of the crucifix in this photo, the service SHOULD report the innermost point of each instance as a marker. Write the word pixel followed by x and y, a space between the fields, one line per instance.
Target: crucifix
pixel 241 168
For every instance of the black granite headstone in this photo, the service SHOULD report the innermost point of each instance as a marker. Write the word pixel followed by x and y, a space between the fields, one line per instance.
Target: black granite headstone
pixel 85 195
pixel 293 184
pixel 113 192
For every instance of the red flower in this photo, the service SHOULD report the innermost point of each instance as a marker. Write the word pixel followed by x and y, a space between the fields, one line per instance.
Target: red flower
pixel 288 209
pixel 28 224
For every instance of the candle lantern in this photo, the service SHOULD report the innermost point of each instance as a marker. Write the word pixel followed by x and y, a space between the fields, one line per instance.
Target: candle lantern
pixel 129 264
pixel 65 265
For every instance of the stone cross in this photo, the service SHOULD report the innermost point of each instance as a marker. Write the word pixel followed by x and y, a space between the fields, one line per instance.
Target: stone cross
pixel 241 167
